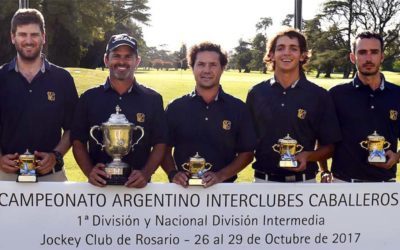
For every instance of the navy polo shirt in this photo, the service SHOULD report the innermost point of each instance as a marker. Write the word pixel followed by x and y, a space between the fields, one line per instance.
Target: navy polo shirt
pixel 218 131
pixel 361 111
pixel 304 110
pixel 142 106
pixel 32 115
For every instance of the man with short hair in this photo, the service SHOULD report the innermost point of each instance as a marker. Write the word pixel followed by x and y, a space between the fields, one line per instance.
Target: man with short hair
pixel 288 108
pixel 37 101
pixel 367 106
pixel 141 106
pixel 208 124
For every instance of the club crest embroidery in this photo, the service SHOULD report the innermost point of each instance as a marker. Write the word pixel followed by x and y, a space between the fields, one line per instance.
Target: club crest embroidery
pixel 51 96
pixel 301 114
pixel 393 115
pixel 226 125
pixel 140 117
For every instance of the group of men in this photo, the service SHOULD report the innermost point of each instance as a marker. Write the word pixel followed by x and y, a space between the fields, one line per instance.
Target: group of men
pixel 40 111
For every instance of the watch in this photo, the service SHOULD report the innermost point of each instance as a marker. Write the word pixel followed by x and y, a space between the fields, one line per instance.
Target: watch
pixel 59 158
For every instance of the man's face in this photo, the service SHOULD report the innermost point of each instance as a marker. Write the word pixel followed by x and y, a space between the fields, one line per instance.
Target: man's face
pixel 207 69
pixel 287 55
pixel 122 62
pixel 28 41
pixel 368 56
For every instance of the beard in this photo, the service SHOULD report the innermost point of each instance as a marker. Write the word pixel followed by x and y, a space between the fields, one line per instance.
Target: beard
pixel 28 56
pixel 121 75
pixel 373 71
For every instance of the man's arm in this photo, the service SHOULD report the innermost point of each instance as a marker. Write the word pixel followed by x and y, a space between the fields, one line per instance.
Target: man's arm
pixel 96 175
pixel 169 166
pixel 139 178
pixel 48 159
pixel 239 163
pixel 323 152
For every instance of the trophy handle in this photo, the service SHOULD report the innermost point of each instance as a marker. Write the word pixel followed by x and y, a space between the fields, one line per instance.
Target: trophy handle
pixel 387 146
pixel 140 138
pixel 300 148
pixel 92 129
pixel 208 166
pixel 275 147
pixel 185 166
pixel 362 144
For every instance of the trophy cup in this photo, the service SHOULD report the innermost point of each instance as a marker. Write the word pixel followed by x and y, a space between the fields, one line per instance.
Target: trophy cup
pixel 27 164
pixel 287 147
pixel 375 144
pixel 197 167
pixel 117 141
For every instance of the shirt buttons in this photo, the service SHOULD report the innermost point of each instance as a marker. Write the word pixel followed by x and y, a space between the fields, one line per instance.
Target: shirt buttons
pixel 284 92
pixel 30 91
pixel 371 95
pixel 207 107
pixel 120 98
pixel 283 105
pixel 372 106
pixel 206 118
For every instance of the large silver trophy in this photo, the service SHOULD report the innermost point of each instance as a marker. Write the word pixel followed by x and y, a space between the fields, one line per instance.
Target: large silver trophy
pixel 117 141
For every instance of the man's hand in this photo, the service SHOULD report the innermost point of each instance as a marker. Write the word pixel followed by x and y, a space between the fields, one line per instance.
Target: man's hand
pixel 181 178
pixel 392 160
pixel 302 159
pixel 47 161
pixel 211 178
pixel 8 163
pixel 98 176
pixel 137 179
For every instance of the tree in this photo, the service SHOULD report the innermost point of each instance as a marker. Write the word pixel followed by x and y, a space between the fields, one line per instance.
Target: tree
pixel 263 25
pixel 243 56
pixel 258 48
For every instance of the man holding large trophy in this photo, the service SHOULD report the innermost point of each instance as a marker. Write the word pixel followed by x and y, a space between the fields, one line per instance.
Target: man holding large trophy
pixel 368 110
pixel 119 130
pixel 291 115
pixel 211 131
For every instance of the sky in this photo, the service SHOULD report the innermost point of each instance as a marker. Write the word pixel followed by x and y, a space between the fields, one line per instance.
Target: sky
pixel 174 22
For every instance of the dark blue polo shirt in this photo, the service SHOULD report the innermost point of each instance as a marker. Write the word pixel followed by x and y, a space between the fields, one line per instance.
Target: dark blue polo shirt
pixel 218 131
pixel 32 115
pixel 304 110
pixel 361 111
pixel 142 106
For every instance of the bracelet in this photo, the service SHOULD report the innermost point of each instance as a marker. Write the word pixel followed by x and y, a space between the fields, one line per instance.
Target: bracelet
pixel 172 174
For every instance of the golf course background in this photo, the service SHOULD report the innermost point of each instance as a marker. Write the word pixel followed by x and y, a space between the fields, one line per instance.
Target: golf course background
pixel 173 84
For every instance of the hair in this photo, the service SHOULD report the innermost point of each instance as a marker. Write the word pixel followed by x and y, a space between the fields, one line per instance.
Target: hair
pixel 207 46
pixel 291 33
pixel 367 35
pixel 27 16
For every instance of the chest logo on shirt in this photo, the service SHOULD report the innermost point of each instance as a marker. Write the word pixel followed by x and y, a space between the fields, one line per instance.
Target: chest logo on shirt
pixel 140 117
pixel 226 125
pixel 301 114
pixel 51 96
pixel 393 115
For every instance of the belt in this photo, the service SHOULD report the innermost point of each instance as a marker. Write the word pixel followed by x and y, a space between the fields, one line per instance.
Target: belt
pixel 359 180
pixel 284 178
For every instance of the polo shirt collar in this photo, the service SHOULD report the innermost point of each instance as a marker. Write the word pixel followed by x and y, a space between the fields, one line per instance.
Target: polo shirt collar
pixel 273 81
pixel 45 64
pixel 220 96
pixel 133 89
pixel 357 83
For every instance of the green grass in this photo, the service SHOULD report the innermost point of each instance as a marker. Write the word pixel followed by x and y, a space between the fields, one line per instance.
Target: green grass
pixel 173 84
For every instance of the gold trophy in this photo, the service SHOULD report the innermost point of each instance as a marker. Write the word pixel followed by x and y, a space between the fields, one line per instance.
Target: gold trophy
pixel 375 144
pixel 287 147
pixel 27 167
pixel 117 141
pixel 197 167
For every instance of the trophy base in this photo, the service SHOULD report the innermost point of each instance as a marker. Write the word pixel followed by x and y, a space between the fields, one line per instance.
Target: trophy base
pixel 377 159
pixel 288 164
pixel 27 178
pixel 195 182
pixel 119 173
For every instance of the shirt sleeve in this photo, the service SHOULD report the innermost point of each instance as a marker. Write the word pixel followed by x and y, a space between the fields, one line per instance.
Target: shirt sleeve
pixel 80 125
pixel 71 99
pixel 159 126
pixel 328 129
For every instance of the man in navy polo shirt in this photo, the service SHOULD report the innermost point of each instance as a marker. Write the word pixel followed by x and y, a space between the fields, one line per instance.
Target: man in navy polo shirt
pixel 208 123
pixel 37 100
pixel 289 104
pixel 366 105
pixel 141 106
